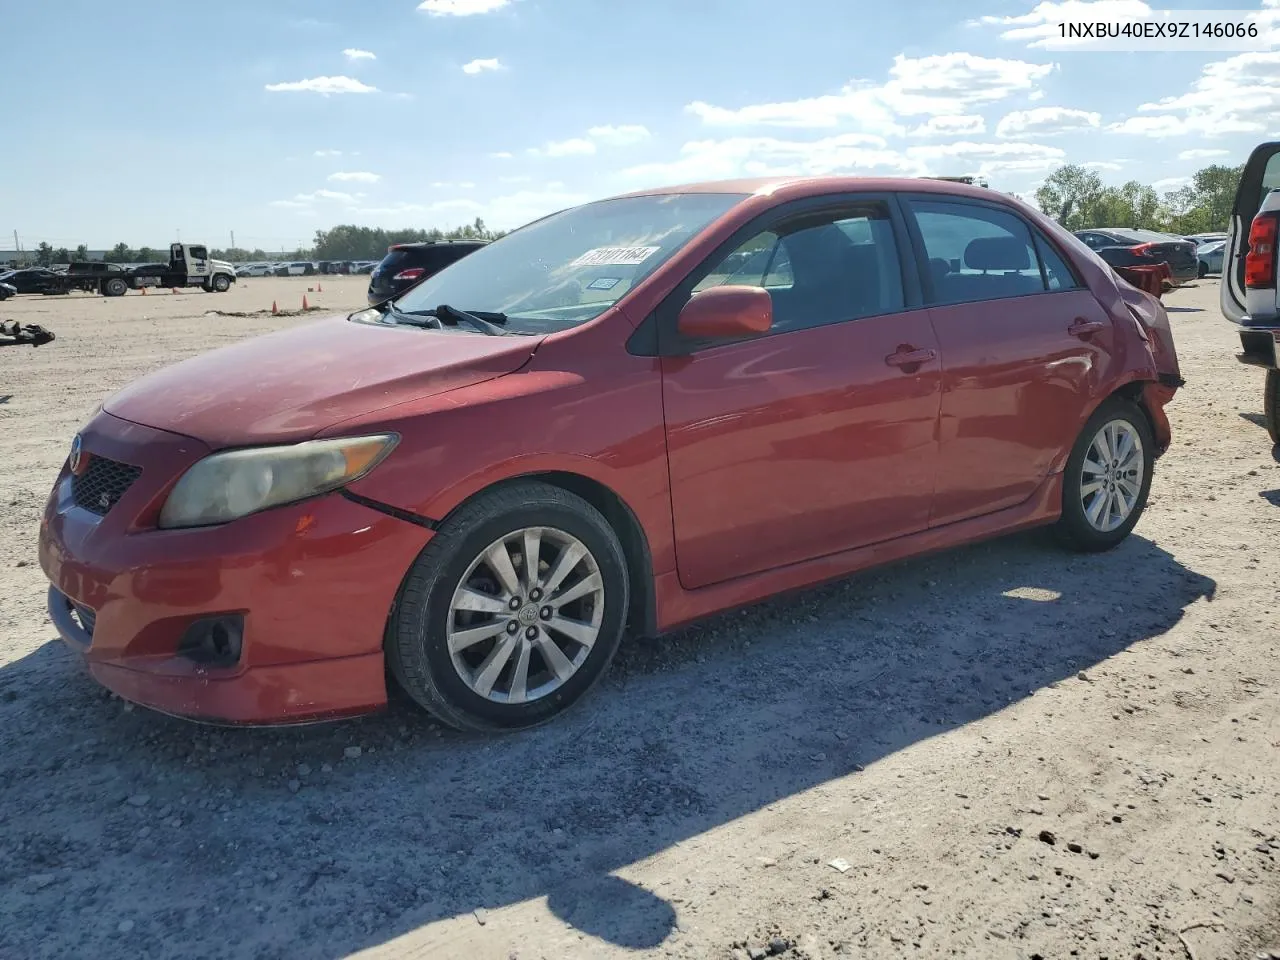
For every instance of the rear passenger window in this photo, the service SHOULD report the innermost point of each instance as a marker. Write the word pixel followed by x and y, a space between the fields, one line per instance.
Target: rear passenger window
pixel 976 253
pixel 820 268
pixel 1057 275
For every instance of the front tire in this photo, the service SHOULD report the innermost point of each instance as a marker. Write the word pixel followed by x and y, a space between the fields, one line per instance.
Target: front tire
pixel 1107 478
pixel 1271 405
pixel 221 283
pixel 488 642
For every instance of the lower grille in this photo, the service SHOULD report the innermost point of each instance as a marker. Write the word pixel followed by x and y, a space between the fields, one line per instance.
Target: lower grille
pixel 103 483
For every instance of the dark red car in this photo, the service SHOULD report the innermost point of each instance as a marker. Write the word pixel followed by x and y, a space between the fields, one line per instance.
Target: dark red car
pixel 620 418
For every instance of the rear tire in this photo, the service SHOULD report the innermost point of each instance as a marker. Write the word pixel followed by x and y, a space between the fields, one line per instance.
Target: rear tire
pixel 1107 478
pixel 115 287
pixel 1204 270
pixel 1271 405
pixel 470 681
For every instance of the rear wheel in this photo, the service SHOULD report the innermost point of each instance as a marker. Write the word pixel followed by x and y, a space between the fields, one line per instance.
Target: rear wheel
pixel 115 287
pixel 1271 404
pixel 512 612
pixel 1107 478
pixel 1204 270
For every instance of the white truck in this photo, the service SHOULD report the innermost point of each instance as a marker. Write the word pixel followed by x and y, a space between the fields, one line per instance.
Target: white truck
pixel 1248 290
pixel 189 266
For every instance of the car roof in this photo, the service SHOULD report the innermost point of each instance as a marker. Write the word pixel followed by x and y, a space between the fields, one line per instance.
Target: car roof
pixel 798 187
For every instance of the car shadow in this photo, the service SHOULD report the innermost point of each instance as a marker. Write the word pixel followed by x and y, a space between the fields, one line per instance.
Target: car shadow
pixel 285 842
pixel 1169 309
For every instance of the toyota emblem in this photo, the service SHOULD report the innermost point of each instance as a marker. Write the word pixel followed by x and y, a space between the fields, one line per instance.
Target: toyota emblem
pixel 76 460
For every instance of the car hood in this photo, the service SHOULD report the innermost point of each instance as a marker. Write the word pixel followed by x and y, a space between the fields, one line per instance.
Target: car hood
pixel 222 265
pixel 290 385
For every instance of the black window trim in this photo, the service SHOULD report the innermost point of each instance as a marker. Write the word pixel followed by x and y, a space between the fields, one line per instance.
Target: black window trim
pixel 657 336
pixel 921 255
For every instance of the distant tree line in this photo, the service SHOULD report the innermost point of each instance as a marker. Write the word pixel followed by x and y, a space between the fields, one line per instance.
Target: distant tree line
pixel 345 242
pixel 1077 198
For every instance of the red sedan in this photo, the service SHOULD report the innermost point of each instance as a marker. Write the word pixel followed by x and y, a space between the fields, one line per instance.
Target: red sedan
pixel 615 420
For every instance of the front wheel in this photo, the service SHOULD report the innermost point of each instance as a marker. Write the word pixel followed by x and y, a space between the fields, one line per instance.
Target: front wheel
pixel 221 283
pixel 1107 478
pixel 512 612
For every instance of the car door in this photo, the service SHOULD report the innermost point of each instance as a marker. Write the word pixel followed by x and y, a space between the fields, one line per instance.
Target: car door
pixel 1022 343
pixel 818 436
pixel 1252 301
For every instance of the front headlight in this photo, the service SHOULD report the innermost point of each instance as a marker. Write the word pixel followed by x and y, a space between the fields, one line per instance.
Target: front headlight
pixel 228 485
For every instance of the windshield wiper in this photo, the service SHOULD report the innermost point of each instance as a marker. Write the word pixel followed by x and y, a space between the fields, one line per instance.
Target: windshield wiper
pixel 428 320
pixel 488 324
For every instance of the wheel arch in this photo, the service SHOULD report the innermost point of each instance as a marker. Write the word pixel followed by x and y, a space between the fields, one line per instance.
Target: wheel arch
pixel 642 616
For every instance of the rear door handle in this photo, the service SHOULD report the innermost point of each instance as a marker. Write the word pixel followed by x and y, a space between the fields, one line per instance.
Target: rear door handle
pixel 910 358
pixel 1083 328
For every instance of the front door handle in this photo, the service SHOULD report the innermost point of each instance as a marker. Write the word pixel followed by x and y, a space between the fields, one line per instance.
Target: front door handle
pixel 1083 328
pixel 909 357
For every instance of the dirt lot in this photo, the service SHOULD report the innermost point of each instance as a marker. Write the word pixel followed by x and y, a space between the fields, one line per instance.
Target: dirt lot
pixel 1009 752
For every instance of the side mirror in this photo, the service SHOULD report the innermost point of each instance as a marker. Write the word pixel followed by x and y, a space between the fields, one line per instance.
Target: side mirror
pixel 726 312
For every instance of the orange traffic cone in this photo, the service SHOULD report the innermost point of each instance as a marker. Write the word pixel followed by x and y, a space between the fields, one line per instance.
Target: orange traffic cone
pixel 173 289
pixel 144 291
pixel 274 308
pixel 304 302
pixel 319 288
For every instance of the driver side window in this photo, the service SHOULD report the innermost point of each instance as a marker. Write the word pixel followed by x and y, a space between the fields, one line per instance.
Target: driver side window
pixel 819 268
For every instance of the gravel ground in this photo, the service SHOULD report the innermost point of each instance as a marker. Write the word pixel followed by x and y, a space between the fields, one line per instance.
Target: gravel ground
pixel 1000 752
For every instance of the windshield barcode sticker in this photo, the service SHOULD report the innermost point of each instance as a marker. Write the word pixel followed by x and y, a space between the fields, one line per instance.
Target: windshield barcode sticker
pixel 614 256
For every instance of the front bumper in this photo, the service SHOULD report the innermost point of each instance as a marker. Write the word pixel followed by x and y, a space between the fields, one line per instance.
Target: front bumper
pixel 313 582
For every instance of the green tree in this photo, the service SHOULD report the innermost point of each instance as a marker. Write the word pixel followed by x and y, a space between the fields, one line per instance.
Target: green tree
pixel 146 255
pixel 1072 195
pixel 44 255
pixel 120 253
pixel 80 255
pixel 62 255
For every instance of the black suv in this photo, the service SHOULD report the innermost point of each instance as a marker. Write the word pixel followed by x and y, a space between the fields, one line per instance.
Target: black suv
pixel 407 264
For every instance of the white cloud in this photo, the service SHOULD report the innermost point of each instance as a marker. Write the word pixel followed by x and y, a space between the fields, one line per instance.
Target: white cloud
pixel 769 156
pixel 619 136
pixel 1238 95
pixel 461 8
pixel 848 153
pixel 516 209
pixel 964 125
pixel 355 176
pixel 328 153
pixel 501 155
pixel 351 53
pixel 480 66
pixel 1104 164
pixel 1047 122
pixel 1200 154
pixel 1171 183
pixel 447 185
pixel 291 204
pixel 573 147
pixel 326 195
pixel 946 84
pixel 322 85
pixel 1039 26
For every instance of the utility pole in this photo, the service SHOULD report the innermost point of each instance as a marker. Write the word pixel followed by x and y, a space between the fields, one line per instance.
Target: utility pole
pixel 233 239
pixel 16 246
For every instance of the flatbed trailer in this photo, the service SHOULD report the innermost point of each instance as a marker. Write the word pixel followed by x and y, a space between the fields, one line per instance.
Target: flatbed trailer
pixel 189 266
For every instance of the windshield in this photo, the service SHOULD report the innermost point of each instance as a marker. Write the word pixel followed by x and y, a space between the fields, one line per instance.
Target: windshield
pixel 571 266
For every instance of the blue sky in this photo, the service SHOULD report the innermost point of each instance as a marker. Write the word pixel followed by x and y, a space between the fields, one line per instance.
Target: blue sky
pixel 274 118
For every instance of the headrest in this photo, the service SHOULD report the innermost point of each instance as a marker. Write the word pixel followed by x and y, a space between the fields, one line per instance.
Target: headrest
pixel 997 253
